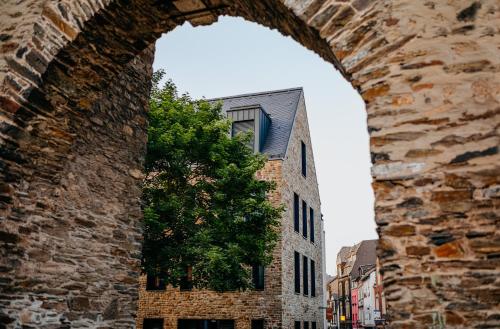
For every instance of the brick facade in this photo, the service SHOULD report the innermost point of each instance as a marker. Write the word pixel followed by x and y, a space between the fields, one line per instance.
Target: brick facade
pixel 297 306
pixel 173 304
pixel 277 304
pixel 73 95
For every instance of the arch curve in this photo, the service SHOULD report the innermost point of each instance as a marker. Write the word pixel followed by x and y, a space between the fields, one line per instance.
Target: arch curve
pixel 74 85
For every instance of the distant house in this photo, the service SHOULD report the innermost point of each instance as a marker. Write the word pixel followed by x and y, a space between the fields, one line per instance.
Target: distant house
pixel 289 292
pixel 332 294
pixel 360 302
pixel 345 262
pixel 367 306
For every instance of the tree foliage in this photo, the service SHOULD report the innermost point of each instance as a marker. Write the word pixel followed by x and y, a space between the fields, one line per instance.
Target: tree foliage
pixel 204 208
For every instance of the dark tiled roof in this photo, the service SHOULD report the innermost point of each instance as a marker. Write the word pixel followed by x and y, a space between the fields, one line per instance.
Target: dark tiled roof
pixel 280 105
pixel 365 255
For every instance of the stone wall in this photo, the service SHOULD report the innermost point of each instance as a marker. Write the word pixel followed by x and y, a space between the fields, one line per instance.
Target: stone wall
pixel 427 71
pixel 297 306
pixel 71 239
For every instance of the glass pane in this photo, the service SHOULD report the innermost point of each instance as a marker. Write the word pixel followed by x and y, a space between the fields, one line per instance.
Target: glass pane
pixel 243 127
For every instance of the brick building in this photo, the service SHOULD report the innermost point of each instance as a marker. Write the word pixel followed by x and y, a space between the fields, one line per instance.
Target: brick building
pixel 289 292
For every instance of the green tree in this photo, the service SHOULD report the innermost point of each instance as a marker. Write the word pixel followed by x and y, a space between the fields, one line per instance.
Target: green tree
pixel 204 209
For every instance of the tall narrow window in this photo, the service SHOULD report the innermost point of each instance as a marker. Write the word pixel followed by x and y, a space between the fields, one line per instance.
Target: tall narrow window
pixel 304 159
pixel 304 219
pixel 305 274
pixel 313 325
pixel 296 213
pixel 311 224
pixel 297 324
pixel 313 278
pixel 154 283
pixel 258 277
pixel 187 280
pixel 297 272
pixel 306 324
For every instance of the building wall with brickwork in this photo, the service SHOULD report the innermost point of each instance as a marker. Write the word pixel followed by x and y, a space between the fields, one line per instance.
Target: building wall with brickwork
pixel 298 306
pixel 277 304
pixel 173 304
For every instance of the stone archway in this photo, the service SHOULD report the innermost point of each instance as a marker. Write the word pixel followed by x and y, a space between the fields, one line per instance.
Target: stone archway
pixel 74 84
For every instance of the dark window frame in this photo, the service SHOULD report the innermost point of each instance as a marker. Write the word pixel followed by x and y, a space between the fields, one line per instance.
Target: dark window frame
pixel 204 323
pixel 186 283
pixel 258 276
pixel 303 154
pixel 297 272
pixel 258 324
pixel 313 324
pixel 153 323
pixel 306 324
pixel 155 283
pixel 304 219
pixel 297 325
pixel 305 275
pixel 313 278
pixel 311 224
pixel 296 212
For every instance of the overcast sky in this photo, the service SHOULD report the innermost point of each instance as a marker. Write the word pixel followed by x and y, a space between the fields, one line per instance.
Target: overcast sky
pixel 235 57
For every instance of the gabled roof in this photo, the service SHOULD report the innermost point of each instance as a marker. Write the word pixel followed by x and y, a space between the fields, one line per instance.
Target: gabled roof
pixel 342 254
pixel 365 271
pixel 280 106
pixel 366 256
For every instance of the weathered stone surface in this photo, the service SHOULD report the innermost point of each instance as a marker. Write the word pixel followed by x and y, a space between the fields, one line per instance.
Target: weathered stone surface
pixel 417 251
pixel 449 250
pixel 72 78
pixel 399 230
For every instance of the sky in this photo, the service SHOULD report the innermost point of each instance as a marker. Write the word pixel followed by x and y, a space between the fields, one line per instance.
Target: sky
pixel 234 56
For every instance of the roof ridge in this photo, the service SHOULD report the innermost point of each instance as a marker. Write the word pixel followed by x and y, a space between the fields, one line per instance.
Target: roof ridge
pixel 269 92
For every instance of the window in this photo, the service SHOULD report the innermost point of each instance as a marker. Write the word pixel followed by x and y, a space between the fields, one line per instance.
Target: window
pixel 204 324
pixel 187 281
pixel 304 219
pixel 313 278
pixel 258 277
pixel 297 324
pixel 306 324
pixel 152 324
pixel 304 159
pixel 305 275
pixel 257 324
pixel 296 220
pixel 243 127
pixel 154 283
pixel 313 325
pixel 297 272
pixel 311 224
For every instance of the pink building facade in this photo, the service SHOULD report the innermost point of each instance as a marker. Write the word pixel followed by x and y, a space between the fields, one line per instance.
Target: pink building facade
pixel 355 306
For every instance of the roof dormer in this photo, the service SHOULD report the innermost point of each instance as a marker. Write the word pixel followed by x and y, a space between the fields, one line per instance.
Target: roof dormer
pixel 250 118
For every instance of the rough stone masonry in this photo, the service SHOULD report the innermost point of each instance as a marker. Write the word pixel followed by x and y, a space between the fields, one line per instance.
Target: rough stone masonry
pixel 74 81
